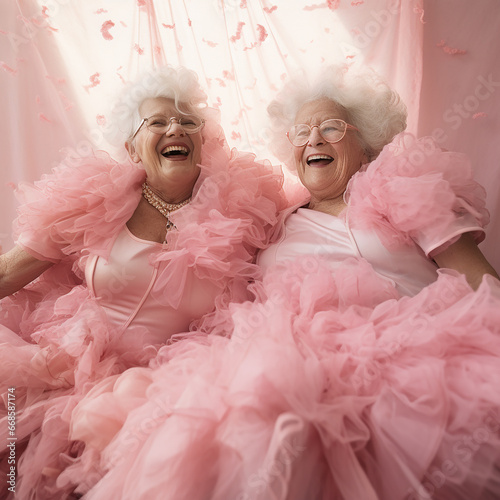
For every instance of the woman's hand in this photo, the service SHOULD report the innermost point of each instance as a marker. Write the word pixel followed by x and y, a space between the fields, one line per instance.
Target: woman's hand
pixel 465 257
pixel 17 269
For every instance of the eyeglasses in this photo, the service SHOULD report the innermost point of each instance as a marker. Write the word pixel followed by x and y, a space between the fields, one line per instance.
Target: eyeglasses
pixel 159 124
pixel 332 131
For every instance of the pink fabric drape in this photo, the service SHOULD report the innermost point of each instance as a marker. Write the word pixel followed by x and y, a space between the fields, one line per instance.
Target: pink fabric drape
pixel 63 61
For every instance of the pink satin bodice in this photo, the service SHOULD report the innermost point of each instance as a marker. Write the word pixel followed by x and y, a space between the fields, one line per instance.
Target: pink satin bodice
pixel 123 285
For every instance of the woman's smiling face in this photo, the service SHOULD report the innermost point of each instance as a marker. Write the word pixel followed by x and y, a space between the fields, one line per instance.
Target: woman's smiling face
pixel 171 158
pixel 325 168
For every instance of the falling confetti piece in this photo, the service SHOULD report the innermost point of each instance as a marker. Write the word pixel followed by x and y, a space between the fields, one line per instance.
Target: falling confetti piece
pixel 101 120
pixel 106 26
pixel 235 136
pixel 61 81
pixel 94 81
pixel 270 10
pixel 316 6
pixel 355 4
pixel 209 43
pixel 420 10
pixel 450 50
pixel 8 69
pixel 43 118
pixel 262 33
pixel 168 26
pixel 138 49
pixel 481 114
pixel 333 4
pixel 243 4
pixel 239 29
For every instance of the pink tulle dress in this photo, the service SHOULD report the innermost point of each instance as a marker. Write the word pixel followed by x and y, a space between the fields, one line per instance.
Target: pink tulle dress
pixel 359 370
pixel 112 300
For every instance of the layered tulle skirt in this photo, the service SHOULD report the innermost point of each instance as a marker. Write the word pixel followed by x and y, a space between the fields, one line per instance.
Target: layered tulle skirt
pixel 327 386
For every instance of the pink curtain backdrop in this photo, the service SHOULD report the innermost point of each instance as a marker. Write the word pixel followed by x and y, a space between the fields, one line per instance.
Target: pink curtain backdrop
pixel 63 61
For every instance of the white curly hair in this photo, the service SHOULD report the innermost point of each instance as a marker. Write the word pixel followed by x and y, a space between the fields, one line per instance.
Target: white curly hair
pixel 370 104
pixel 179 84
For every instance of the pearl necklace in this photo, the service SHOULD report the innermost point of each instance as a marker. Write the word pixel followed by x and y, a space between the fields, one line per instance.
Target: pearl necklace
pixel 161 205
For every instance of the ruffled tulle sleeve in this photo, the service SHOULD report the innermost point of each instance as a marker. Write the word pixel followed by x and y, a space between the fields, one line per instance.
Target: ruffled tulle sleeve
pixel 234 212
pixel 77 206
pixel 415 192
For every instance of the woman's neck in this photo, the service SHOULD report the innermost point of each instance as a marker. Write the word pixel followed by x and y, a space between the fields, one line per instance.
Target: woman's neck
pixel 329 206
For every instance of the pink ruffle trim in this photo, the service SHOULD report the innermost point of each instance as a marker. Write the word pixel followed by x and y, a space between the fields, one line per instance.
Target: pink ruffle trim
pixel 77 206
pixel 417 189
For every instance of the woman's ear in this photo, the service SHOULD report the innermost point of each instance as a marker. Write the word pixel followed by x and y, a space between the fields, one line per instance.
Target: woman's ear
pixel 132 152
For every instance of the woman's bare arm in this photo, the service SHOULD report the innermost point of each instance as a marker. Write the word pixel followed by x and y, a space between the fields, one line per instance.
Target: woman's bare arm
pixel 465 257
pixel 17 269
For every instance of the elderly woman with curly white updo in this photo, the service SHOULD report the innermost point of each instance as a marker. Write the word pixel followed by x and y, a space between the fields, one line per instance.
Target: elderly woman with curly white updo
pixel 329 135
pixel 113 259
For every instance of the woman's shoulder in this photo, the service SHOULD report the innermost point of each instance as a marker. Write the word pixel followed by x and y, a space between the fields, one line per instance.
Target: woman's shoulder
pixel 415 187
pixel 77 204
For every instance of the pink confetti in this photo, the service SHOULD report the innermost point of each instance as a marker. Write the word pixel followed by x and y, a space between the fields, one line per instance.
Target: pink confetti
pixel 45 9
pixel 123 24
pixel 475 116
pixel 355 4
pixel 239 29
pixel 101 120
pixel 218 103
pixel 189 22
pixel 222 83
pixel 420 10
pixel 262 33
pixel 141 3
pixel 450 50
pixel 209 43
pixel 94 81
pixel 316 6
pixel 243 4
pixel 270 10
pixel 54 79
pixel 43 118
pixel 333 4
pixel 100 11
pixel 121 78
pixel 138 49
pixel 7 68
pixel 168 26
pixel 235 136
pixel 227 75
pixel 106 26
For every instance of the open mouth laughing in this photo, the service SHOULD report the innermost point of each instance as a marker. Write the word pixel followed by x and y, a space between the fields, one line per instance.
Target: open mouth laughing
pixel 175 151
pixel 319 160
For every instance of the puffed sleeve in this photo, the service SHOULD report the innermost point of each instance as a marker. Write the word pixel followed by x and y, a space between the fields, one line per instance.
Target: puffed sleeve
pixel 76 206
pixel 415 192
